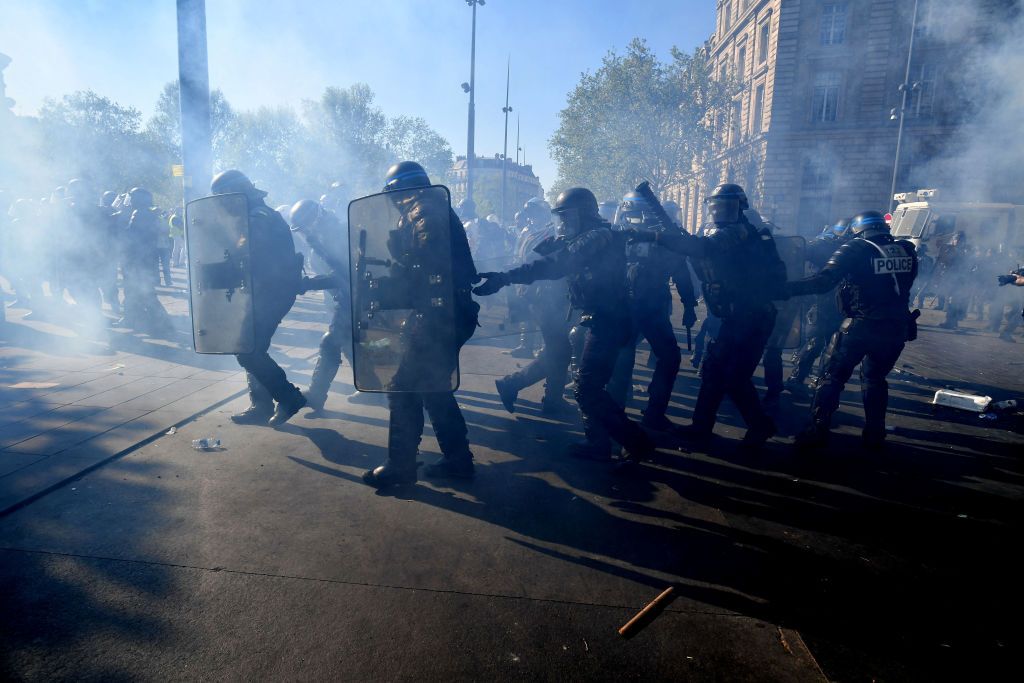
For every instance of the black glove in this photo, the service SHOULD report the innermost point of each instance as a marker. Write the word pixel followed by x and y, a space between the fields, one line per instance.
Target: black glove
pixel 689 315
pixel 1006 279
pixel 494 282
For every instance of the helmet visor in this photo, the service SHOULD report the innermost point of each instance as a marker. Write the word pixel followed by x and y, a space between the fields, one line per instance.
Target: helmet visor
pixel 568 223
pixel 724 209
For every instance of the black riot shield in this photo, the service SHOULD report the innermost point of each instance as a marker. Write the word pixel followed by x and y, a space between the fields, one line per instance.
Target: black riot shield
pixel 789 324
pixel 402 292
pixel 220 284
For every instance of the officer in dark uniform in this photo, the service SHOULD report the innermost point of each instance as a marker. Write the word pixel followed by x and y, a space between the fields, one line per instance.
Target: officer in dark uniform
pixel 875 274
pixel 546 303
pixel 593 257
pixel 826 317
pixel 410 248
pixel 741 274
pixel 648 270
pixel 142 308
pixel 276 272
pixel 328 239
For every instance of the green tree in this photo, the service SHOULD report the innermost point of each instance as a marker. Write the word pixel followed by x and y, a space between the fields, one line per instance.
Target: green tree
pixel 412 138
pixel 637 118
pixel 86 135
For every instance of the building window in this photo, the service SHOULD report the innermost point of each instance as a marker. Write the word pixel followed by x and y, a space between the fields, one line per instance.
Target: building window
pixel 741 67
pixel 833 23
pixel 723 73
pixel 815 176
pixel 762 48
pixel 757 125
pixel 737 121
pixel 727 10
pixel 923 97
pixel 825 97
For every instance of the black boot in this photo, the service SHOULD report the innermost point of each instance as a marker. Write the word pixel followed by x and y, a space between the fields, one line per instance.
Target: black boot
pixel 261 404
pixel 286 410
pixel 507 392
pixel 387 474
pixel 253 415
pixel 756 437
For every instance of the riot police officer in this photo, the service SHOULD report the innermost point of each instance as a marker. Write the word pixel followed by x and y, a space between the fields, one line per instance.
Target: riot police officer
pixel 276 272
pixel 593 257
pixel 875 274
pixel 648 270
pixel 826 317
pixel 741 274
pixel 327 238
pixel 545 303
pixel 410 246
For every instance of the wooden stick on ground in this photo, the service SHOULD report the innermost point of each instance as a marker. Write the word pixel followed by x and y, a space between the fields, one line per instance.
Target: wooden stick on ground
pixel 651 606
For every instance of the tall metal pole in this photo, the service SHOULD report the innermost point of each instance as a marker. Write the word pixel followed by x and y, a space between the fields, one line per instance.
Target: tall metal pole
pixel 518 148
pixel 194 96
pixel 470 151
pixel 905 88
pixel 504 152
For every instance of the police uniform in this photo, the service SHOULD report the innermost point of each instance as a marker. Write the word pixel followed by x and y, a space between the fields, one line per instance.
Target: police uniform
pixel 741 274
pixel 327 239
pixel 648 270
pixel 276 272
pixel 593 258
pixel 546 303
pixel 875 274
pixel 414 249
pixel 825 317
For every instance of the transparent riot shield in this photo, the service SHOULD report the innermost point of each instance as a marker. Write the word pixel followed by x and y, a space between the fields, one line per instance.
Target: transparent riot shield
pixel 791 318
pixel 220 284
pixel 403 316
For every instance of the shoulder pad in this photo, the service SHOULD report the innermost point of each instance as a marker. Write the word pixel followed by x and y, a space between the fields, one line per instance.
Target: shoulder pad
pixel 262 211
pixel 590 241
pixel 845 251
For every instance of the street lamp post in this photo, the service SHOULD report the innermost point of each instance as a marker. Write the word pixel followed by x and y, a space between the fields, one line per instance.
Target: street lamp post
pixel 470 151
pixel 194 96
pixel 905 88
pixel 504 152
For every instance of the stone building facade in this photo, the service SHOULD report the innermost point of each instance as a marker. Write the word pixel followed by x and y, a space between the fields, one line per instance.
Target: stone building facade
pixel 522 184
pixel 811 134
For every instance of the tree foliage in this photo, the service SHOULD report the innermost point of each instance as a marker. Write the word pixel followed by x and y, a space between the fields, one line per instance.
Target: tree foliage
pixel 637 118
pixel 342 136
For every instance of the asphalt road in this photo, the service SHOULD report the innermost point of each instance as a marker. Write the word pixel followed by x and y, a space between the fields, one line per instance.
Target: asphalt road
pixel 269 559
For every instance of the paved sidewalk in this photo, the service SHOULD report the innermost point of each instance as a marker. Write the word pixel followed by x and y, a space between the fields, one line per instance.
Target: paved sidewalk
pixel 270 559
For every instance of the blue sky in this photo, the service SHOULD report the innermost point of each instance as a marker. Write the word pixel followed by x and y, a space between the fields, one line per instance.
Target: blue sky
pixel 413 53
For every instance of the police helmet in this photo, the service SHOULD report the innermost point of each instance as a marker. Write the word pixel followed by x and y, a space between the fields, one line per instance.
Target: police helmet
pixel 632 211
pixel 304 213
pixel 868 221
pixel 404 175
pixel 233 180
pixel 576 209
pixel 77 191
pixel 726 203
pixel 140 197
pixel 841 228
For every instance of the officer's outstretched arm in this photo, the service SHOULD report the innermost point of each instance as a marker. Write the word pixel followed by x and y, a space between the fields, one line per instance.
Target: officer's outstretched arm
pixel 825 280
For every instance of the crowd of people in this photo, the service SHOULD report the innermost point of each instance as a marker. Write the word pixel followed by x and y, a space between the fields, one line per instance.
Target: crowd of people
pixel 594 279
pixel 70 255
